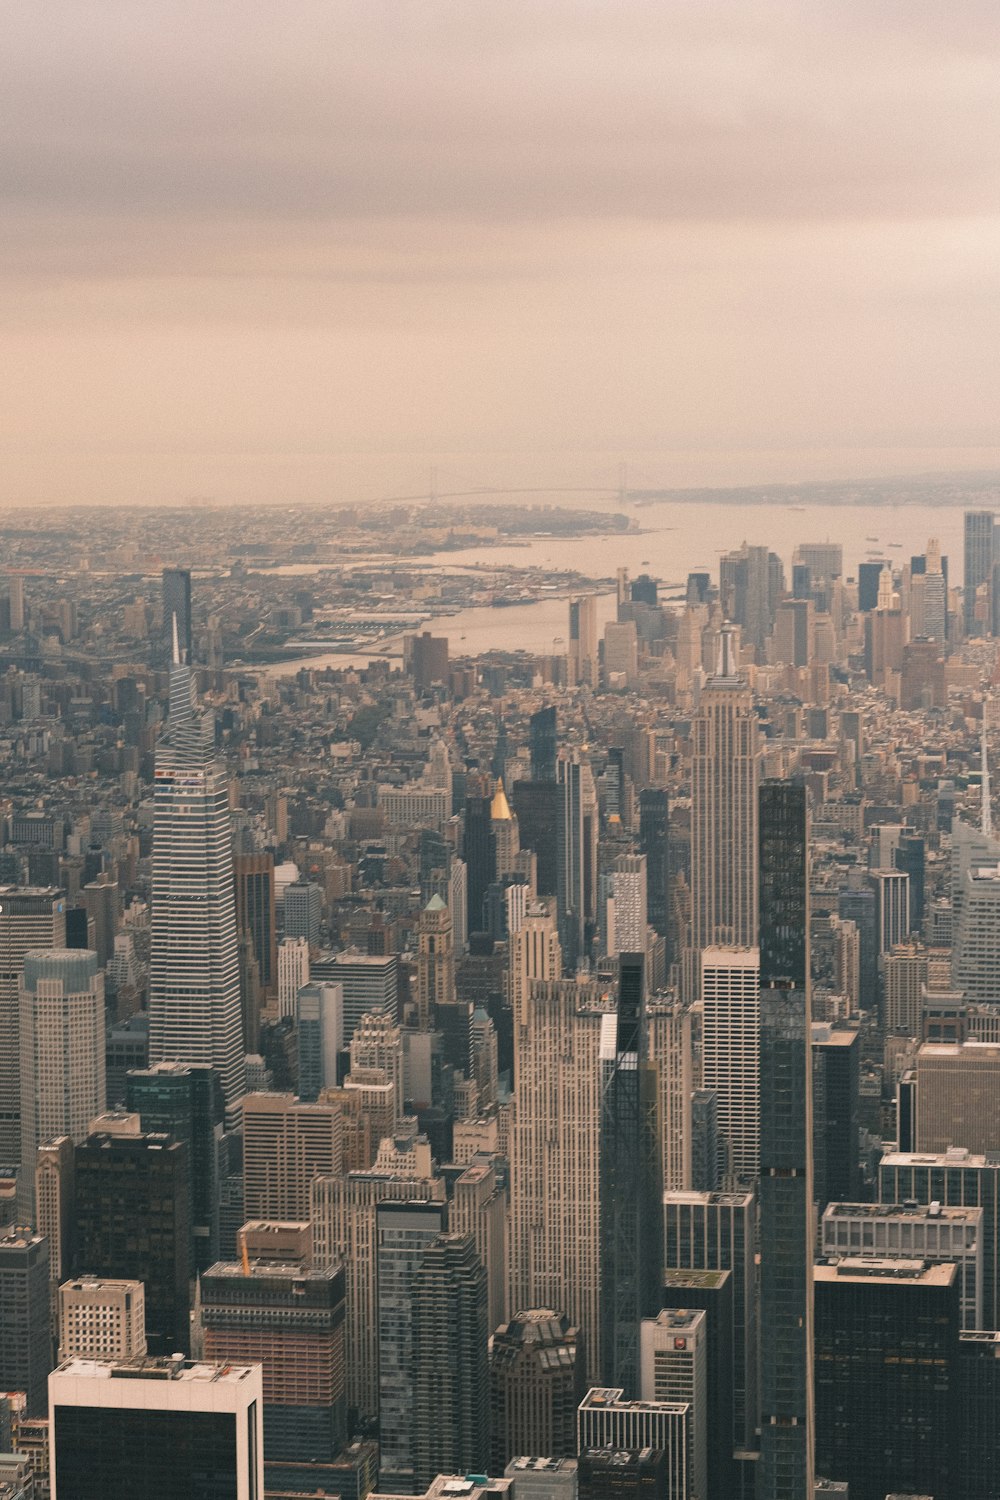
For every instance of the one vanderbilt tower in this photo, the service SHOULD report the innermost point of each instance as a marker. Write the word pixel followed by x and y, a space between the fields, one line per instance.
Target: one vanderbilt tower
pixel 194 989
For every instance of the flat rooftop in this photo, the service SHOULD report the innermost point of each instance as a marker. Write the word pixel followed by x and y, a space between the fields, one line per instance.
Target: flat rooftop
pixel 154 1368
pixel 899 1272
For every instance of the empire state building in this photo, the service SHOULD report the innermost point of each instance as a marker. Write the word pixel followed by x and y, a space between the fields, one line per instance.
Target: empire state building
pixel 194 989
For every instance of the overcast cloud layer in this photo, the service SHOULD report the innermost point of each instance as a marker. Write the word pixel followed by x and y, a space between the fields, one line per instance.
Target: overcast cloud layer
pixel 304 249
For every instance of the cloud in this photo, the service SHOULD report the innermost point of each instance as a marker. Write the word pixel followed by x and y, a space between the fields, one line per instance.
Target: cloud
pixel 137 128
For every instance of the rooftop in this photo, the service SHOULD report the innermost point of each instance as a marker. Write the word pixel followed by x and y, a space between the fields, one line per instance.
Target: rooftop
pixel 160 1367
pixel 900 1272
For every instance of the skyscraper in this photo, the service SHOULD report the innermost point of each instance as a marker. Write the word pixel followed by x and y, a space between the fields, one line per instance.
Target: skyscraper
pixel 451 1394
pixel 576 855
pixel 542 741
pixel 403 1233
pixel 716 1232
pixel 159 1429
pixel 185 1101
pixel 979 548
pixel 25 1345
pixel 255 911
pixel 194 982
pixel 654 815
pixel 291 1320
pixel 786 1195
pixel 555 1154
pixel 435 961
pixel 536 1384
pixel 887 1376
pixel 630 1183
pixel 724 774
pixel 581 656
pixel 132 1220
pixel 730 994
pixel 30 917
pixel 62 1054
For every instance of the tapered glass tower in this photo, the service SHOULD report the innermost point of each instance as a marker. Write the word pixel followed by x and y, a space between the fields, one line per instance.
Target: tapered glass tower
pixel 194 989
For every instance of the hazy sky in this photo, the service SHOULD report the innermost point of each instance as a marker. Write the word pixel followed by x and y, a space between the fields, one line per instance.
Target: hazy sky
pixel 309 248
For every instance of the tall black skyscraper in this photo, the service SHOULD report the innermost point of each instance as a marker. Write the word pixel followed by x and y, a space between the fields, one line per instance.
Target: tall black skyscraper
pixel 631 1211
pixel 185 1100
pixel 480 858
pixel 176 602
pixel 542 743
pixel 786 1242
pixel 654 815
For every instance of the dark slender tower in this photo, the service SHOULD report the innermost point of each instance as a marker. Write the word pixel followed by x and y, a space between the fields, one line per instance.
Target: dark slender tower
pixel 631 1211
pixel 786 1241
pixel 654 818
pixel 480 857
pixel 543 744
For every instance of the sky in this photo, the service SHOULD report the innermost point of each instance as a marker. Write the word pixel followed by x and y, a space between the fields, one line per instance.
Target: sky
pixel 317 249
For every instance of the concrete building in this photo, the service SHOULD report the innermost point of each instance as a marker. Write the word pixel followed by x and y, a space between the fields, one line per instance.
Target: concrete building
pixel 555 1150
pixel 286 1143
pixel 344 1232
pixel 674 1367
pixel 290 1320
pixel 958 1096
pixel 536 1385
pixel 730 994
pixel 724 775
pixel 31 917
pixel 102 1319
pixel 605 1420
pixel 62 1033
pixel 932 1233
pixel 25 1344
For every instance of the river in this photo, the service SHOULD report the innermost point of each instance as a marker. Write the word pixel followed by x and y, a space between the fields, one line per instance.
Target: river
pixel 676 538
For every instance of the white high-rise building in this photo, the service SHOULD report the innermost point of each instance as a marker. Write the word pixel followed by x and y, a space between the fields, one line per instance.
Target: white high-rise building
pixel 194 982
pixel 62 1054
pixel 30 917
pixel 625 911
pixel 724 777
pixel 534 954
pixel 293 972
pixel 730 1043
pixel 581 655
pixel 555 1152
pixel 673 1366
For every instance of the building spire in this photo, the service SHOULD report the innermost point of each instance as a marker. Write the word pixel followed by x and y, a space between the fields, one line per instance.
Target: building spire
pixel 726 665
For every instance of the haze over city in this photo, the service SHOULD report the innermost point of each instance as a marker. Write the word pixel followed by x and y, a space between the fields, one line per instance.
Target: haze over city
pixel 306 252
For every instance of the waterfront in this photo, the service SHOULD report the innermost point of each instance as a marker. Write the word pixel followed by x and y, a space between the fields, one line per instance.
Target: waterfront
pixel 677 537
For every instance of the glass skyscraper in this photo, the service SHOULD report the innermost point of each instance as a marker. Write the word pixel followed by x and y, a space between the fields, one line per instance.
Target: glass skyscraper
pixel 786 1248
pixel 194 986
